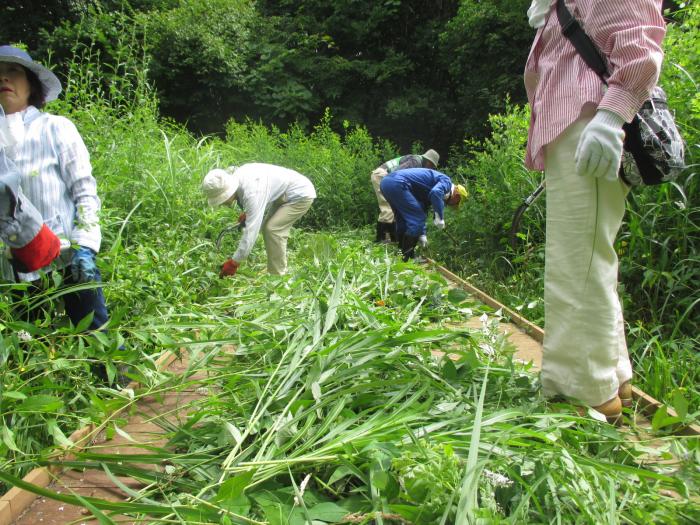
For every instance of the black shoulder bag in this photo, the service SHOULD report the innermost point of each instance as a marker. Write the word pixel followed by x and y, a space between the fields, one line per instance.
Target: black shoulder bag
pixel 653 150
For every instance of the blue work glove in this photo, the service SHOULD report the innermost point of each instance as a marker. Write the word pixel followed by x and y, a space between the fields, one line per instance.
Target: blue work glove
pixel 82 266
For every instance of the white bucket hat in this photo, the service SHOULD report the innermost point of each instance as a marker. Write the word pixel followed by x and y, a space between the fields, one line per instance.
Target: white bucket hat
pixel 49 81
pixel 219 186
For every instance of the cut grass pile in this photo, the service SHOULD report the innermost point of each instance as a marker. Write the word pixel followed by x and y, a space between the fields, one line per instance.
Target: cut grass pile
pixel 335 408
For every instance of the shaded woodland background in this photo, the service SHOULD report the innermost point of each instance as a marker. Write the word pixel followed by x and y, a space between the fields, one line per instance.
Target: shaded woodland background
pixel 425 71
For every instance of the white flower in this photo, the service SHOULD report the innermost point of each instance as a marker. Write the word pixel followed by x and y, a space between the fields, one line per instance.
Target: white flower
pixel 24 335
pixel 487 349
pixel 302 488
pixel 496 479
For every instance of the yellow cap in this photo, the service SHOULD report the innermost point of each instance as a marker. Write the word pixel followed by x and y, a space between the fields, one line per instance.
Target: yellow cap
pixel 462 192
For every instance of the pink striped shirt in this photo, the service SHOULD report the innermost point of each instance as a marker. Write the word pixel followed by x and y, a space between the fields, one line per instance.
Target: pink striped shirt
pixel 559 83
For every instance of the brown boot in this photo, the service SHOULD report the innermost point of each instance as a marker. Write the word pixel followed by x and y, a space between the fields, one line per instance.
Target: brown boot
pixel 625 394
pixel 612 410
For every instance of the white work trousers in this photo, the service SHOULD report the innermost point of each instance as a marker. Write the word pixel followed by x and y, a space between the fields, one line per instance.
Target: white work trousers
pixel 275 232
pixel 385 212
pixel 585 352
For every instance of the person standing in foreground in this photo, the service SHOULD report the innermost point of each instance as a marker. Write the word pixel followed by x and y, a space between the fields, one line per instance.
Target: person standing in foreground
pixel 410 193
pixel 272 198
pixel 55 177
pixel 576 137
pixel 385 224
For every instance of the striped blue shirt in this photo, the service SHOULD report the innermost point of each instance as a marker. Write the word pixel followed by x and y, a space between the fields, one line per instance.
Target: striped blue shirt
pixel 57 179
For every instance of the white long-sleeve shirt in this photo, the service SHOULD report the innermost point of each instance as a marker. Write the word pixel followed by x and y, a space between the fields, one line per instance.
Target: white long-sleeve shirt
pixel 263 188
pixel 57 179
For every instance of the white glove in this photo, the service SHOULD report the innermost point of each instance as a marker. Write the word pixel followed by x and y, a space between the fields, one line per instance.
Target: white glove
pixel 423 241
pixel 599 150
pixel 537 12
pixel 437 221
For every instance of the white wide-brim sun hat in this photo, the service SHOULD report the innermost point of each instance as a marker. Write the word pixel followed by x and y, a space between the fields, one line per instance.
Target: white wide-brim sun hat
pixel 219 186
pixel 49 81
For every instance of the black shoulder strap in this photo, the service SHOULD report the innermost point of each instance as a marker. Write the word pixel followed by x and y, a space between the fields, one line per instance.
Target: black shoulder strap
pixel 573 31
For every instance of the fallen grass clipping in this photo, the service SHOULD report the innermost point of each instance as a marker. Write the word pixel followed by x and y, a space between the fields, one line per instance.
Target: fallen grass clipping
pixel 355 394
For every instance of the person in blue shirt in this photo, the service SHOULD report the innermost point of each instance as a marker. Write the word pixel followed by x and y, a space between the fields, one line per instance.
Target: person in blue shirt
pixel 385 222
pixel 411 192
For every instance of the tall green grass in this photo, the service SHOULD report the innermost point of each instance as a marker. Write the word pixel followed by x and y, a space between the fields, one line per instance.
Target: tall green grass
pixel 158 254
pixel 334 386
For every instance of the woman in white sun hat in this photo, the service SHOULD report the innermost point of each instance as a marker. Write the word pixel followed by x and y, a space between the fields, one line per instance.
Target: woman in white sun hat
pixel 48 156
pixel 272 198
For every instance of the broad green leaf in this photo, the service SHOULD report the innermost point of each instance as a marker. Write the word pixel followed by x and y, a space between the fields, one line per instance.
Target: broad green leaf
pixel 470 359
pixel 340 473
pixel 380 478
pixel 40 403
pixel 233 487
pixel 659 416
pixel 680 404
pixel 408 512
pixel 8 437
pixel 111 370
pixel 316 390
pixel 278 514
pixel 328 511
pixel 235 433
pixel 449 371
pixel 84 323
pixel 57 433
pixel 661 419
pixel 457 295
pixel 13 394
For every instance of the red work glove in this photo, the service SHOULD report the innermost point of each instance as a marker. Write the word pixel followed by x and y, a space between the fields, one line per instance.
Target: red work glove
pixel 242 218
pixel 40 251
pixel 229 268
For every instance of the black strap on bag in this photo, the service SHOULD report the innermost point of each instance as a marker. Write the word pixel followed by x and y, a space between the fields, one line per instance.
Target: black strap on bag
pixel 572 30
pixel 653 148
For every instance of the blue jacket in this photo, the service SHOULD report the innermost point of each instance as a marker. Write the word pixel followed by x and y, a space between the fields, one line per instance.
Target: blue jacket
pixel 427 186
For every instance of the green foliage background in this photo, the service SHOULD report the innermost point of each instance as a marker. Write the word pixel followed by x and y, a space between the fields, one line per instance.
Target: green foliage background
pixel 410 71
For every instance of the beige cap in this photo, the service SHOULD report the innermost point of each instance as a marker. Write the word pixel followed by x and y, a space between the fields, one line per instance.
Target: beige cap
pixel 219 185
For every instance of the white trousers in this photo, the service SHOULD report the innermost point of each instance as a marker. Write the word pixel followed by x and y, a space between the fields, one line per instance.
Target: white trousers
pixel 585 352
pixel 385 212
pixel 275 232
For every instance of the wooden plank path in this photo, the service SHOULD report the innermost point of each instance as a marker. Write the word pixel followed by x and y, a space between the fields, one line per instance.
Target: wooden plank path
pixel 138 436
pixel 19 507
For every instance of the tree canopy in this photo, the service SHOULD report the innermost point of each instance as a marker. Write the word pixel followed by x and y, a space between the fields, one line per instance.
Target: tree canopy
pixel 419 71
